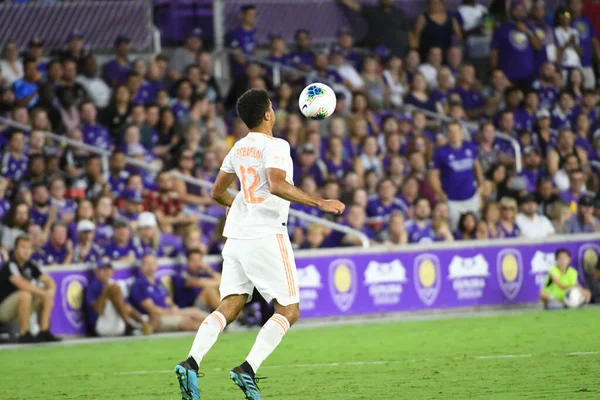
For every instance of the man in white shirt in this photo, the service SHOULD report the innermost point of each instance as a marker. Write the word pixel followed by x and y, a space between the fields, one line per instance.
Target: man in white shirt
pixel 344 68
pixel 532 224
pixel 96 88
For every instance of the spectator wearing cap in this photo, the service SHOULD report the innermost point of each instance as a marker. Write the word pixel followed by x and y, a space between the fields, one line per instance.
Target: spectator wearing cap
pixel 435 28
pixel 242 39
pixel 153 240
pixel 26 89
pixel 85 250
pixel 24 288
pixel 11 67
pixel 576 189
pixel 14 162
pixel 584 221
pixel 388 24
pixel 114 72
pixel 132 206
pixel 58 250
pixel 197 285
pixel 513 47
pixel 345 46
pixel 532 224
pixel 307 163
pixel 122 247
pixel 150 297
pixel 66 207
pixel 303 56
pixel 107 310
pixel 186 55
pixel 455 173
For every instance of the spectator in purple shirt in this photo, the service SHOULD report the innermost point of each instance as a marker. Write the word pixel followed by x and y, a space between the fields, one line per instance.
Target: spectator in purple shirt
pixel 108 313
pixel 307 163
pixel 525 117
pixel 104 220
pixel 337 162
pixel 140 93
pixel 356 219
pixel 150 297
pixel 455 174
pixel 532 171
pixel 419 228
pixel 66 207
pixel 114 72
pixel 303 57
pixel 383 205
pixel 40 208
pixel 242 39
pixel 467 227
pixel 197 285
pixel 183 98
pixel 584 220
pixel 575 191
pixel 513 47
pixel 84 249
pixel 507 225
pixel 122 247
pixel 14 161
pixel 471 97
pixel 58 250
pixel 94 134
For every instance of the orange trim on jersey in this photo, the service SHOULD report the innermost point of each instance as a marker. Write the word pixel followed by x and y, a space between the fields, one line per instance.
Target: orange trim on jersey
pixel 285 260
pixel 282 324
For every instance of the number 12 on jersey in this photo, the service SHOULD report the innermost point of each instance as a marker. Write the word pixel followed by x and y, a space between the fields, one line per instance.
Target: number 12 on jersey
pixel 248 192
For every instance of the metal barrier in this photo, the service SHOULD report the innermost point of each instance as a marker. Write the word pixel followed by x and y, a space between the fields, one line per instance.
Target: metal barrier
pixel 365 242
pixel 278 68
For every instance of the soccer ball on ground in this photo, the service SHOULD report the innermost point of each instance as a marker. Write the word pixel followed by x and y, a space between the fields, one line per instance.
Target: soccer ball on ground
pixel 317 101
pixel 574 298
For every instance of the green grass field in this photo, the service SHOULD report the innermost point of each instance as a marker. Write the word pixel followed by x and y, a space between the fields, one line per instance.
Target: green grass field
pixel 523 356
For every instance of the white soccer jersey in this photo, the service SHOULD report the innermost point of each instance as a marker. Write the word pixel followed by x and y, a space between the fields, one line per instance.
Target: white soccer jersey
pixel 256 212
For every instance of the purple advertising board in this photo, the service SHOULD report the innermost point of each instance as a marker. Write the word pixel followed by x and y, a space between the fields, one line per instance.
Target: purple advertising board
pixel 380 280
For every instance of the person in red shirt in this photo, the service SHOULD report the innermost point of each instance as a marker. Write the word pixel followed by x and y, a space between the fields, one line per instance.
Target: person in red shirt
pixel 166 204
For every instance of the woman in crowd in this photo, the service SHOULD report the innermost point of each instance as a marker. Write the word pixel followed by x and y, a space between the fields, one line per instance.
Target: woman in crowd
pixel 508 213
pixel 395 79
pixel 395 234
pixel 337 163
pixel 360 110
pixel 15 223
pixel 104 215
pixel 560 215
pixel 368 160
pixel 491 219
pixel 115 116
pixel 419 95
pixel 467 227
pixel 435 28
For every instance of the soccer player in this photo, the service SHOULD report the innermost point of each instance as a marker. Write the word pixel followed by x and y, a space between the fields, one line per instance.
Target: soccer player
pixel 258 252
pixel 561 278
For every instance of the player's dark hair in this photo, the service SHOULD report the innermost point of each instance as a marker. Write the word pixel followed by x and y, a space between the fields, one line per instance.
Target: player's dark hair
pixel 252 106
pixel 561 251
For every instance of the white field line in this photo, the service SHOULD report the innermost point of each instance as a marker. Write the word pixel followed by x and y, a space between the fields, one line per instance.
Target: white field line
pixel 333 364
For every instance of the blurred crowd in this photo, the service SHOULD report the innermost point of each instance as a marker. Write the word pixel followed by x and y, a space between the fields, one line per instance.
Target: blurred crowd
pixel 406 176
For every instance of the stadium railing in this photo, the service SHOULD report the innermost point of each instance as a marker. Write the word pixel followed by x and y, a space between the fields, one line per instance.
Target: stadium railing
pixel 221 59
pixel 105 154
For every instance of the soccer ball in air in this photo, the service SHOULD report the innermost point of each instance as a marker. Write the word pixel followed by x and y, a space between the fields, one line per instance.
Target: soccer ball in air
pixel 317 101
pixel 574 298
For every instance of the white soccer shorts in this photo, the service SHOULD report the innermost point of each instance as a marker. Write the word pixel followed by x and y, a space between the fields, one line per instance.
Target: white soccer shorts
pixel 110 323
pixel 266 263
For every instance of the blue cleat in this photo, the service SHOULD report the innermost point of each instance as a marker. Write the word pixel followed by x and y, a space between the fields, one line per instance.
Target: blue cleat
pixel 246 382
pixel 188 381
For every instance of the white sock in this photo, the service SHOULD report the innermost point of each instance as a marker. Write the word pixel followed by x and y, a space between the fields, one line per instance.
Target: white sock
pixel 207 335
pixel 267 340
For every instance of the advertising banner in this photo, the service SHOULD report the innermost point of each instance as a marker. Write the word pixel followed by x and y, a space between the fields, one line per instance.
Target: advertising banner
pixel 377 281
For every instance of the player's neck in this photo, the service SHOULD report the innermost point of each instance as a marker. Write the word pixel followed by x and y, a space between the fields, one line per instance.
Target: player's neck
pixel 265 130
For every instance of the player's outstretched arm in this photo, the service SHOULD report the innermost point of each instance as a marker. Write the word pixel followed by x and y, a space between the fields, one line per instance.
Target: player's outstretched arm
pixel 219 190
pixel 281 188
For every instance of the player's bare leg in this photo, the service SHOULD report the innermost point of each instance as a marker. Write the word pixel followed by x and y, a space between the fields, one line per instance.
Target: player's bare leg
pixel 213 325
pixel 267 341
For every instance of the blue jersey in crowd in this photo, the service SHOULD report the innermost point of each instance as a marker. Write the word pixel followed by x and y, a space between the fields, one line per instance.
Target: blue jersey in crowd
pixel 379 212
pixel 96 135
pixel 244 40
pixel 114 251
pixel 457 172
pixel 14 168
pixel 48 255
